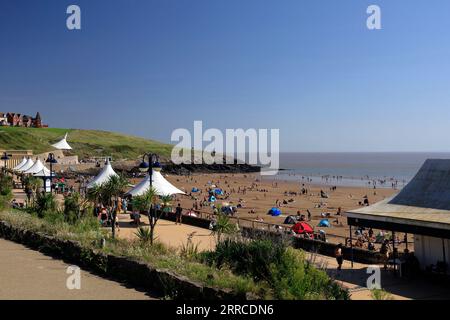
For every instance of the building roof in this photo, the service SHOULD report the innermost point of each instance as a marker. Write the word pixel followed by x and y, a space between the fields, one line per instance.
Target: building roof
pixel 424 202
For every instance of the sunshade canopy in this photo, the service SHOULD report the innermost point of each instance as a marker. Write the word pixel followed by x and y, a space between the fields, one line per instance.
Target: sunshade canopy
pixel 26 166
pixel 24 160
pixel 104 175
pixel 161 185
pixel 62 144
pixel 36 167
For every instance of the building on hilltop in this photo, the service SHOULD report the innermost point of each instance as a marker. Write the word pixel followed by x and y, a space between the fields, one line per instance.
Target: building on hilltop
pixel 12 119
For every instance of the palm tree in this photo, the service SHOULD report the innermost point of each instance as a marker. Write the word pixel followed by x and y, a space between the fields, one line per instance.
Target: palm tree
pixel 111 191
pixel 223 225
pixel 145 203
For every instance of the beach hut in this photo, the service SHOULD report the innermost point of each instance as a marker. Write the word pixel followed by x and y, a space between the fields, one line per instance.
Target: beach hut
pixel 324 223
pixel 274 212
pixel 161 185
pixel 421 208
pixel 35 168
pixel 104 175
pixel 302 228
pixel 24 160
pixel 26 166
pixel 62 144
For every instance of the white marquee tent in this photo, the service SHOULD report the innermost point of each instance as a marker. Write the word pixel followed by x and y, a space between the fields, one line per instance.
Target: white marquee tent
pixel 161 185
pixel 103 176
pixel 62 144
pixel 37 166
pixel 43 173
pixel 24 160
pixel 26 166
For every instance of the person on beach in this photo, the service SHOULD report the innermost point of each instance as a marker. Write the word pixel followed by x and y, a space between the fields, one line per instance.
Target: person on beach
pixel 339 256
pixel 178 214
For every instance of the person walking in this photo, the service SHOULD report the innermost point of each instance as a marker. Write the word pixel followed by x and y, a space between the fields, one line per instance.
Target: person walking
pixel 339 256
pixel 178 214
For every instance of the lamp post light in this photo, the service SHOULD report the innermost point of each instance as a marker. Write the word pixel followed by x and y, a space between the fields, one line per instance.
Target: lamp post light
pixel 5 158
pixel 51 159
pixel 152 164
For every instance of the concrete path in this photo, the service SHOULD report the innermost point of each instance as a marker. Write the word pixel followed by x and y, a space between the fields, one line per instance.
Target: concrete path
pixel 27 274
pixel 355 280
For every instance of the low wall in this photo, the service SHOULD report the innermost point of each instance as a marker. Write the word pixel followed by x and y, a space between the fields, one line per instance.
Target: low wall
pixel 136 273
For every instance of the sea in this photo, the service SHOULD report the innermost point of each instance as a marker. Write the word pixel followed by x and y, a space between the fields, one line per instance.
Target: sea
pixel 382 169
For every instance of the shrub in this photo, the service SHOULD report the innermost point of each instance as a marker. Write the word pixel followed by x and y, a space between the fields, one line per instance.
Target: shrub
pixel 45 203
pixel 285 269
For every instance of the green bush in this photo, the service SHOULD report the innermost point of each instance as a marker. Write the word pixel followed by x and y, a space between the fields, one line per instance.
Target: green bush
pixel 44 204
pixel 285 269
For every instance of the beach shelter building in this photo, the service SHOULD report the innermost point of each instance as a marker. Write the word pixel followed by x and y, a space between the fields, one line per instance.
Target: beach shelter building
pixel 104 175
pixel 161 185
pixel 421 208
pixel 62 144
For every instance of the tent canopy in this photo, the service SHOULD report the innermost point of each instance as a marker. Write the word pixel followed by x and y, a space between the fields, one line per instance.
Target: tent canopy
pixel 62 144
pixel 103 177
pixel 44 173
pixel 161 185
pixel 36 167
pixel 290 220
pixel 26 166
pixel 24 160
pixel 324 223
pixel 302 227
pixel 275 212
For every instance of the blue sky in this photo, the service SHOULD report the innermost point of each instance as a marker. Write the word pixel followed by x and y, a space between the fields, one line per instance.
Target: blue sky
pixel 310 68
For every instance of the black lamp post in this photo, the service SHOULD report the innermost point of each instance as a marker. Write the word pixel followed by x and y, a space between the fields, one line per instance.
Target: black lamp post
pixel 152 164
pixel 5 158
pixel 51 159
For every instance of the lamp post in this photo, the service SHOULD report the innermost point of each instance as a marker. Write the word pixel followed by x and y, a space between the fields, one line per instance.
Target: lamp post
pixel 5 158
pixel 152 164
pixel 51 159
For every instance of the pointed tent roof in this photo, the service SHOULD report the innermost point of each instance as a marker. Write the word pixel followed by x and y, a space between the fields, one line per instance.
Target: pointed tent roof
pixel 26 166
pixel 162 186
pixel 36 167
pixel 24 160
pixel 103 176
pixel 43 173
pixel 62 144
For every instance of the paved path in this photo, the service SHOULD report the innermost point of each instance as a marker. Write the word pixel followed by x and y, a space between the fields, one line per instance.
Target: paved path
pixel 28 274
pixel 400 289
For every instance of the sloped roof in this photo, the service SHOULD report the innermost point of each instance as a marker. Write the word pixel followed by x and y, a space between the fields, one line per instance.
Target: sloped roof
pixel 424 201
pixel 161 185
pixel 62 144
pixel 43 173
pixel 103 176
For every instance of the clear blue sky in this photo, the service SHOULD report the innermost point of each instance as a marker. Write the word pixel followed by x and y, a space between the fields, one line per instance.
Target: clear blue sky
pixel 310 68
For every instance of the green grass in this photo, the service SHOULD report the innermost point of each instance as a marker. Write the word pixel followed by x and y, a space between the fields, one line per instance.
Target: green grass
pixel 85 143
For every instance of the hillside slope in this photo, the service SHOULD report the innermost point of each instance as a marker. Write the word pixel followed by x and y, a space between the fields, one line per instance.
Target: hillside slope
pixel 84 142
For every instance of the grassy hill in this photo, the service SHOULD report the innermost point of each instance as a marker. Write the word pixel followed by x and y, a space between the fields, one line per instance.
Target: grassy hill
pixel 84 142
